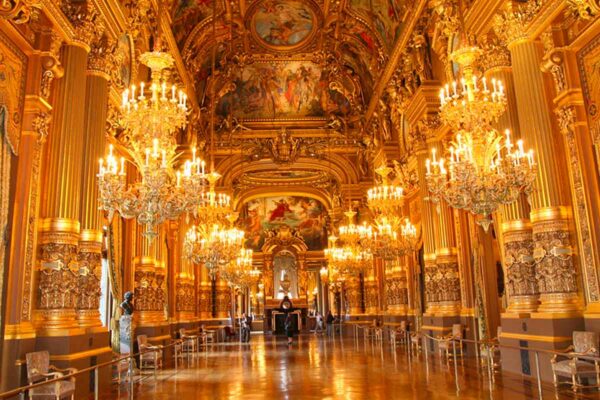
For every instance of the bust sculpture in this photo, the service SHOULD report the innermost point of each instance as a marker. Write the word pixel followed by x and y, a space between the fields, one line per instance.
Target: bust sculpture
pixel 127 304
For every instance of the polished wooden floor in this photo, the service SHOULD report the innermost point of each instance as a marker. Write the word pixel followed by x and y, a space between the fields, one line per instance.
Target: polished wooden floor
pixel 321 368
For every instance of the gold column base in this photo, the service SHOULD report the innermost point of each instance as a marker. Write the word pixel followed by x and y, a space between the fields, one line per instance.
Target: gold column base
pixel 448 309
pixel 523 304
pixel 56 323
pixel 560 303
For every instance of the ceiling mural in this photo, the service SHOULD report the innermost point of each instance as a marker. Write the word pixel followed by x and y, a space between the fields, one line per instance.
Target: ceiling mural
pixel 305 215
pixel 283 24
pixel 293 89
pixel 187 14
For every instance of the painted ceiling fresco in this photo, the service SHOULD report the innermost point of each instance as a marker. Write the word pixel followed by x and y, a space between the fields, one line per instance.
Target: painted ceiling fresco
pixel 305 215
pixel 283 89
pixel 281 58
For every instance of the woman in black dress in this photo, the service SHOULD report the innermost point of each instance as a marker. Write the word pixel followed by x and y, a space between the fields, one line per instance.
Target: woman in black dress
pixel 289 329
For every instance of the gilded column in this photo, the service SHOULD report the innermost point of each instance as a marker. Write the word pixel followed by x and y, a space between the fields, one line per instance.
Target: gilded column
pixel 446 255
pixel 515 233
pixel 427 228
pixel 572 121
pixel 144 280
pixel 556 272
pixel 60 228
pixel 353 295
pixel 223 299
pixel 371 293
pixel 90 242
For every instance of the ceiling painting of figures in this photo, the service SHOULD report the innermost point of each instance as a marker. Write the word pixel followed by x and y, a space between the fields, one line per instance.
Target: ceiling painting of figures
pixel 306 215
pixel 283 24
pixel 186 15
pixel 271 90
pixel 385 15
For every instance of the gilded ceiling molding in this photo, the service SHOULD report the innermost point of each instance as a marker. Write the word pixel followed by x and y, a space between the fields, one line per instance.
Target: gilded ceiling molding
pixel 395 58
pixel 259 192
pixel 87 22
pixel 584 9
pixel 18 11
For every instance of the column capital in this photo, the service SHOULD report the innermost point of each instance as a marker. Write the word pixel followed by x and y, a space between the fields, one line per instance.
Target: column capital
pixel 101 59
pixel 86 20
pixel 511 24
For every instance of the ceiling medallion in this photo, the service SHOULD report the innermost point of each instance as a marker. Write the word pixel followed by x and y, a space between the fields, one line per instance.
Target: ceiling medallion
pixel 283 25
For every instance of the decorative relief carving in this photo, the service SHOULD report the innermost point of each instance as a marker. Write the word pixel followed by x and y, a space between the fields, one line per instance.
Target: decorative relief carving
pixel 145 290
pixel 88 278
pixel 18 11
pixel 185 298
pixel 353 295
pixel 555 271
pixel 584 9
pixel 432 293
pixel 86 20
pixel 57 289
pixel 447 282
pixel 519 264
pixel 511 25
pixel 101 57
pixel 566 121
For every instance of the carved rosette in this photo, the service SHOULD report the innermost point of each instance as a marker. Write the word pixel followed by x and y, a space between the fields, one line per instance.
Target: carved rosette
pixel 521 283
pixel 57 274
pixel 88 278
pixel 555 271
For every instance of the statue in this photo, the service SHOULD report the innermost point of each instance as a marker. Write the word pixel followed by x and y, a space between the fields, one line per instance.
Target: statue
pixel 127 305
pixel 126 324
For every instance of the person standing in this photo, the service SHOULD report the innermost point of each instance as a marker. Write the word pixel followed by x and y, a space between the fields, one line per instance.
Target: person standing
pixel 329 321
pixel 289 329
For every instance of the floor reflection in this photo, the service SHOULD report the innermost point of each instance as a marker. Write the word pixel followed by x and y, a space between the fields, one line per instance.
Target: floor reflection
pixel 321 368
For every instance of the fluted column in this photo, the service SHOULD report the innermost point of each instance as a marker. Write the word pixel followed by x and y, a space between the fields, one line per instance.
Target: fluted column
pixel 556 271
pixel 428 229
pixel 90 242
pixel 515 233
pixel 60 227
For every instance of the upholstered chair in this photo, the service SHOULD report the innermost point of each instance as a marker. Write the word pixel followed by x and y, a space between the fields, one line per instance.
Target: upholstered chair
pixel 445 344
pixel 576 363
pixel 39 369
pixel 415 340
pixel 151 356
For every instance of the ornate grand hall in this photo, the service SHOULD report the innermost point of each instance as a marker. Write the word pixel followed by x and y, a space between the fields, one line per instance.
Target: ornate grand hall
pixel 300 199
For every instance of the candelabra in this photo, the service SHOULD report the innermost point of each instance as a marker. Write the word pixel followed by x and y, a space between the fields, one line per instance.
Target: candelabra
pixel 355 235
pixel 483 173
pixel 214 207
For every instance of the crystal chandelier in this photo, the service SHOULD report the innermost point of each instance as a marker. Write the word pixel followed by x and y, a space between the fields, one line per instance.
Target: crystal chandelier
pixel 151 118
pixel 215 207
pixel 348 259
pixel 212 245
pixel 385 199
pixel 241 272
pixel 352 234
pixel 483 172
pixel 408 237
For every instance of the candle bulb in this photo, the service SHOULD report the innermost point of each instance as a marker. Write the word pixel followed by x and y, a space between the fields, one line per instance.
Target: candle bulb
pixel 164 90
pixel 133 92
pixel 433 151
pixel 122 166
pixel 101 162
pixel 155 147
pixel 147 156
pixel 173 93
pixel 485 89
pixel 454 88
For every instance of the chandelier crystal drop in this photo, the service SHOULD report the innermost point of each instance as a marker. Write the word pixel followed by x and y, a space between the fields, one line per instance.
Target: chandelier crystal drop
pixel 483 172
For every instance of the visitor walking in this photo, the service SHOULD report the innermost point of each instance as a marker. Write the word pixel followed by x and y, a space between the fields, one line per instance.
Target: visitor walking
pixel 319 324
pixel 330 319
pixel 289 329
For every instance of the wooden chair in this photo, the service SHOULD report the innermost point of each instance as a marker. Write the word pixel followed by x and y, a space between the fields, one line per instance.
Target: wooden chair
pixel 151 356
pixel 39 369
pixel 398 335
pixel 572 366
pixel 415 340
pixel 454 339
pixel 190 342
